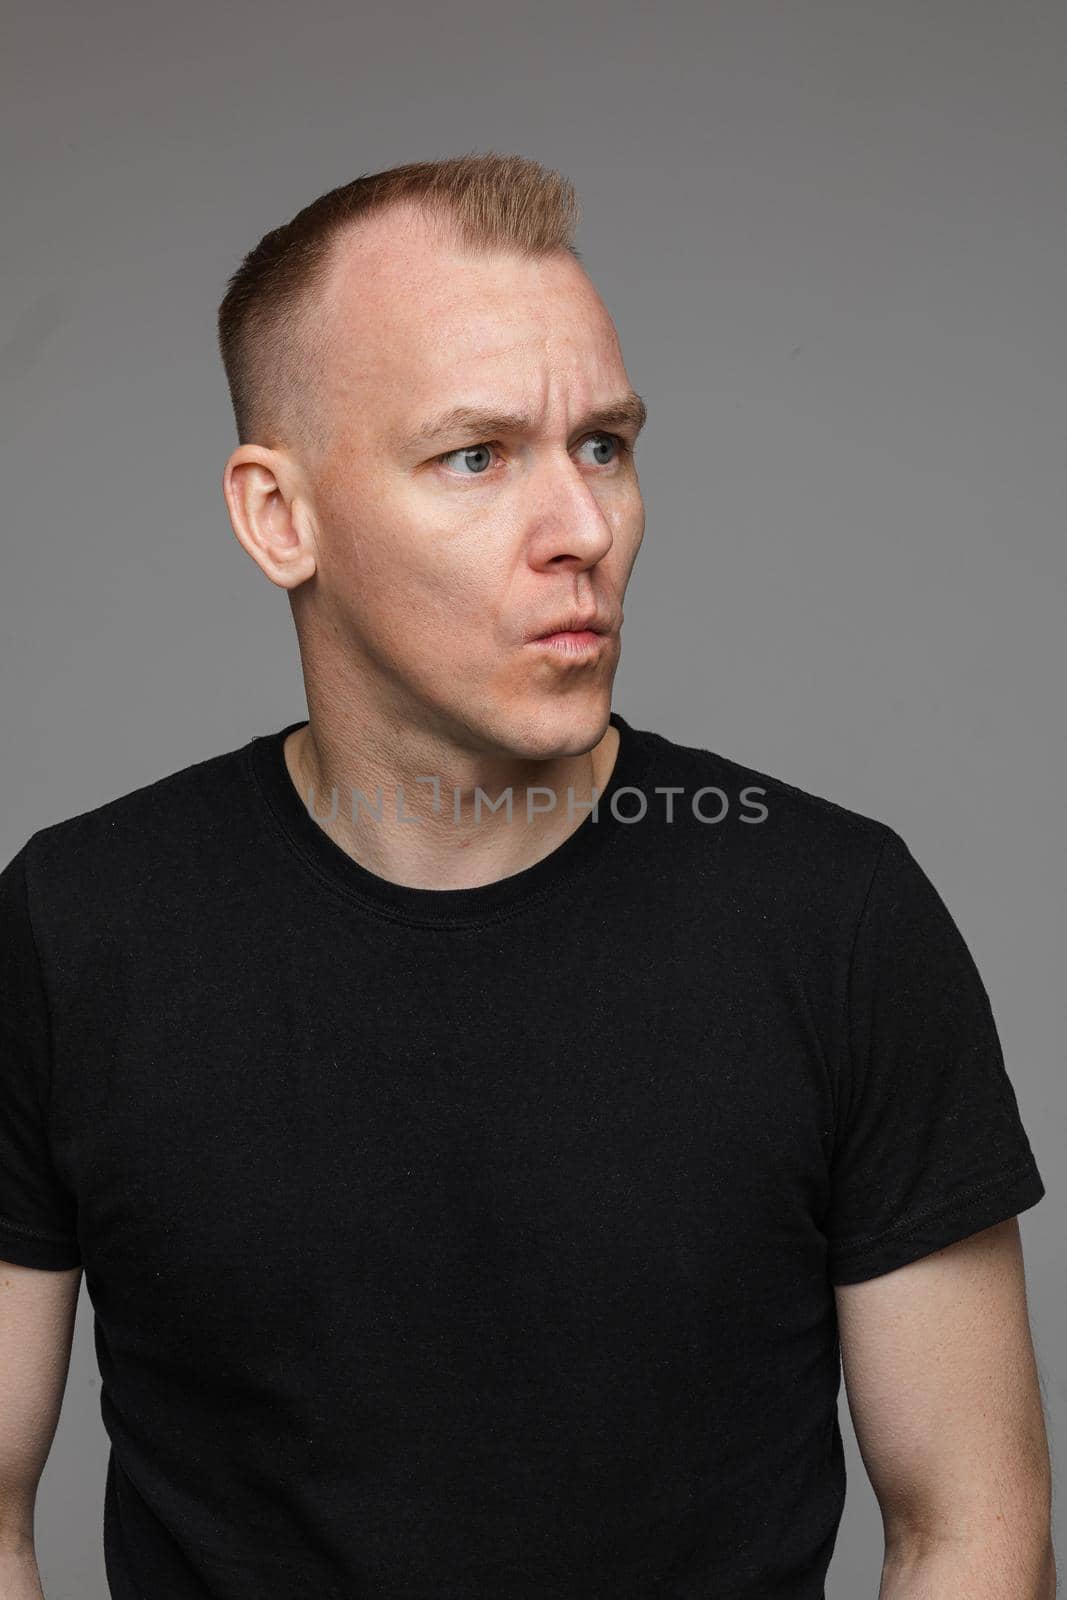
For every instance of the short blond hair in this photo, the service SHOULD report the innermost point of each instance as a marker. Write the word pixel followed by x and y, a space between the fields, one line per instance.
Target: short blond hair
pixel 270 356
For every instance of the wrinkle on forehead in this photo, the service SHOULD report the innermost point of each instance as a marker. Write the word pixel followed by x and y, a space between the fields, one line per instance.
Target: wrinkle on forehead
pixel 414 320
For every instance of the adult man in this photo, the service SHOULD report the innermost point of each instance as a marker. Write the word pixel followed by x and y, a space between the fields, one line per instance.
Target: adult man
pixel 471 1202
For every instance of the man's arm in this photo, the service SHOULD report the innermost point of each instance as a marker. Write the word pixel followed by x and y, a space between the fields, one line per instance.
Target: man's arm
pixel 943 1388
pixel 37 1312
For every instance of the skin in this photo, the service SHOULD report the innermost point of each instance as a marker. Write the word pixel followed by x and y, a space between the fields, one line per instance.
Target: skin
pixel 415 581
pixel 944 1390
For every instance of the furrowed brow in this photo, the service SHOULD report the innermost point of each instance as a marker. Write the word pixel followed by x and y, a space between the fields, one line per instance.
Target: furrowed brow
pixel 473 422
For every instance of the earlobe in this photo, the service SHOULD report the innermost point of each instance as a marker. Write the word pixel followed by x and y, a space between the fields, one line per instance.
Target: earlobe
pixel 262 514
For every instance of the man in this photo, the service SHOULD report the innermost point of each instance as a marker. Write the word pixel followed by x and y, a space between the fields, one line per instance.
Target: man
pixel 475 1192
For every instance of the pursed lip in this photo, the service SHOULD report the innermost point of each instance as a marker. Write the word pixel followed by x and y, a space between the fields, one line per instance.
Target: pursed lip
pixel 571 624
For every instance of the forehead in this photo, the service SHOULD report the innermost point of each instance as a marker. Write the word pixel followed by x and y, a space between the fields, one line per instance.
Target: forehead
pixel 414 320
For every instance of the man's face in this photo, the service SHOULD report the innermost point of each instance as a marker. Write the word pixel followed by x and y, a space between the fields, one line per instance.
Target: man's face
pixel 442 554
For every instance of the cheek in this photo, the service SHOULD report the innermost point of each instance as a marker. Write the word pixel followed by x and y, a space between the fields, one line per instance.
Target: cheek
pixel 419 583
pixel 422 603
pixel 377 560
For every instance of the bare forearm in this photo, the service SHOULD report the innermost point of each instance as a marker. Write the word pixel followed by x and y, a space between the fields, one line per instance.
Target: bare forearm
pixel 19 1577
pixel 998 1570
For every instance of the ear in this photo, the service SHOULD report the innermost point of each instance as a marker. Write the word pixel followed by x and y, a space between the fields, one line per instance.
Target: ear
pixel 261 488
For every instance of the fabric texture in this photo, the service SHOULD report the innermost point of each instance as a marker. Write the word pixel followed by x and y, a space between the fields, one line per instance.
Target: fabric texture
pixel 457 1244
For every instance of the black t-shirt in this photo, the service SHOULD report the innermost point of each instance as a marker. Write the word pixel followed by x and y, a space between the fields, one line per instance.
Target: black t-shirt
pixel 480 1244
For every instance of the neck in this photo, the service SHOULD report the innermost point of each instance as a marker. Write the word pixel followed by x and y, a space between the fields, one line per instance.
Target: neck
pixel 364 792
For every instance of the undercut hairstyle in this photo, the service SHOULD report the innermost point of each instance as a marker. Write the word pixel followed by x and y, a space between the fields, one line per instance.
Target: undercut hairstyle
pixel 274 347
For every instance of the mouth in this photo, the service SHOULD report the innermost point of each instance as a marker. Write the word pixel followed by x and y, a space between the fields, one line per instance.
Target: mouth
pixel 573 628
pixel 574 642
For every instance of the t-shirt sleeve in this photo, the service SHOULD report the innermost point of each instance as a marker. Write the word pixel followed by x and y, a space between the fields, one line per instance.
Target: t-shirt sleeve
pixel 929 1146
pixel 37 1213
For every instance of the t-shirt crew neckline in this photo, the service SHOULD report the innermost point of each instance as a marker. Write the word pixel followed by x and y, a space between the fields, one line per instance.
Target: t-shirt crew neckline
pixel 447 907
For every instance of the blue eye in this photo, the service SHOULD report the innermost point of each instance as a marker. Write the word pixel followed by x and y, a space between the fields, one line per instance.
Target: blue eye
pixel 467 450
pixel 484 451
pixel 612 438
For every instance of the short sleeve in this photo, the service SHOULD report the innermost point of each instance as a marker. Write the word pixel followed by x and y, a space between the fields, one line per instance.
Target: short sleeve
pixel 929 1146
pixel 37 1214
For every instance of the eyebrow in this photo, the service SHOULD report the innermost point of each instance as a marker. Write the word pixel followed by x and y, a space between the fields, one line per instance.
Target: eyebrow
pixel 474 422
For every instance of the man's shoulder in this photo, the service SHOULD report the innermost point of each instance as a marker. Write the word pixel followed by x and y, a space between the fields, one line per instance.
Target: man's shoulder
pixel 791 823
pixel 119 847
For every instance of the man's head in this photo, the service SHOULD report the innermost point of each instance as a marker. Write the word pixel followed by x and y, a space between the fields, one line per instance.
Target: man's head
pixel 422 552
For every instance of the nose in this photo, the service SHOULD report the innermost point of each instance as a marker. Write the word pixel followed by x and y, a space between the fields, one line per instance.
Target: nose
pixel 567 525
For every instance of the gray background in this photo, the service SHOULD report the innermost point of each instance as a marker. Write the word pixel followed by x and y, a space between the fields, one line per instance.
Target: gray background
pixel 832 238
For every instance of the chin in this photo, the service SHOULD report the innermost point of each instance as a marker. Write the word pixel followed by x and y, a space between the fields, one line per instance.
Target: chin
pixel 559 725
